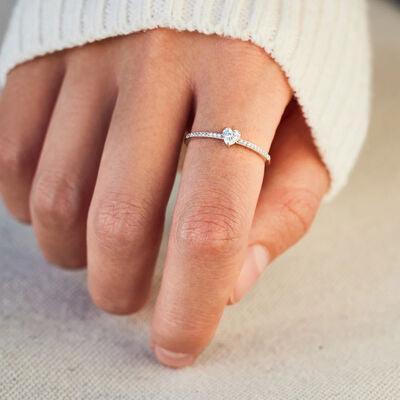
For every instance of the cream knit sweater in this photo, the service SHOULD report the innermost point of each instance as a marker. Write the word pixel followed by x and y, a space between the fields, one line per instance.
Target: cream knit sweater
pixel 322 45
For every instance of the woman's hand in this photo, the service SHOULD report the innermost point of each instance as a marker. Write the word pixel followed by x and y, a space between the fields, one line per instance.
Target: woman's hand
pixel 90 141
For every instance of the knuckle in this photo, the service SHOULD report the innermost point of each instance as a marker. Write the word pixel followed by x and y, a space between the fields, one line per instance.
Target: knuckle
pixel 159 40
pixel 157 46
pixel 255 69
pixel 55 201
pixel 119 221
pixel 235 49
pixel 207 226
pixel 297 209
pixel 14 160
pixel 245 56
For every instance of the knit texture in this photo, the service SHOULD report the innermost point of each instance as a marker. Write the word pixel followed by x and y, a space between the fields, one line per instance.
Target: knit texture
pixel 322 46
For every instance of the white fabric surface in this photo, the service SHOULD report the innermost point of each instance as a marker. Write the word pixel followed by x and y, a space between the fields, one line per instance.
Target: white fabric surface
pixel 322 324
pixel 322 45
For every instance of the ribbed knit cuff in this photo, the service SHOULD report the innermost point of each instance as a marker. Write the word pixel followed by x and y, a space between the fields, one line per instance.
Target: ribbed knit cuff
pixel 322 46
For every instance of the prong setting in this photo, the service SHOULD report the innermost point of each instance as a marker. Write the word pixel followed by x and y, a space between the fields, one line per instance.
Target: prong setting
pixel 230 137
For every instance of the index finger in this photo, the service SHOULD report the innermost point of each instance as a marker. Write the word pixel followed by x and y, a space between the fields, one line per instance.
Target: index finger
pixel 212 220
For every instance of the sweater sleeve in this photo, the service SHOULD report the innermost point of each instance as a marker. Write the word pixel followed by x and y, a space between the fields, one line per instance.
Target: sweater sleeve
pixel 321 45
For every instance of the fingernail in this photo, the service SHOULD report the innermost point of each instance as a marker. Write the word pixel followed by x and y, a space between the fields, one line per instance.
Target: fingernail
pixel 256 261
pixel 171 359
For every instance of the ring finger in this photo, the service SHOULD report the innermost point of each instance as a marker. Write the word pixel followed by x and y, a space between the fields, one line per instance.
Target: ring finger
pixel 214 211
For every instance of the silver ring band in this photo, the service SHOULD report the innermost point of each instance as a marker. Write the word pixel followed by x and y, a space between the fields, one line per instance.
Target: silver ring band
pixel 231 137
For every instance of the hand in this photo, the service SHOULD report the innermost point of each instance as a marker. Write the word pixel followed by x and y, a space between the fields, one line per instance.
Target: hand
pixel 90 141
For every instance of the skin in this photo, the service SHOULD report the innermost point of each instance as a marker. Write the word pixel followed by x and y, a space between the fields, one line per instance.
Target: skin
pixel 91 139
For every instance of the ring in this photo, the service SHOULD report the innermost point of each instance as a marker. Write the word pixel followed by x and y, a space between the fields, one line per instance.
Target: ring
pixel 230 137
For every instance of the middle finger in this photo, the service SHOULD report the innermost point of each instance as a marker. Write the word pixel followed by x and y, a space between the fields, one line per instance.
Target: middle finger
pixel 135 179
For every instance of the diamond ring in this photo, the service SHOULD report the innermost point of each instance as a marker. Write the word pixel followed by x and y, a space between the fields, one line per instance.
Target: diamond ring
pixel 230 137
